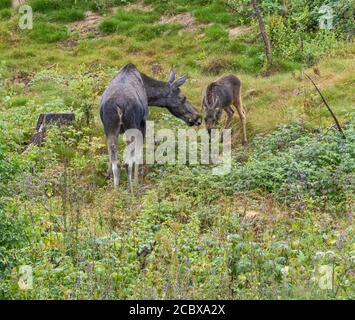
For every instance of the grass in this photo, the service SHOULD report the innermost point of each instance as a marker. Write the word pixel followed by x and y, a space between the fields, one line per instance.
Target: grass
pixel 5 4
pixel 48 6
pixel 213 13
pixel 137 24
pixel 215 237
pixel 47 32
pixel 68 15
pixel 5 13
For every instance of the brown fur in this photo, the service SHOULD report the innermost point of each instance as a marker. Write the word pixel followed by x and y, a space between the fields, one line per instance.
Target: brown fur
pixel 220 96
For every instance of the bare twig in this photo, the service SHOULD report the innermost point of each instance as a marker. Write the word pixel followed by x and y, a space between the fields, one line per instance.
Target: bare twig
pixel 327 105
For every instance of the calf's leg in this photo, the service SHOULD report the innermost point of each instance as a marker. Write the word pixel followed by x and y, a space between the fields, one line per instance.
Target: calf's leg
pixel 242 116
pixel 230 113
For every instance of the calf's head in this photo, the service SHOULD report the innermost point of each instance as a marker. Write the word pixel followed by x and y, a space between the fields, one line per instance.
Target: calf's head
pixel 178 104
pixel 212 113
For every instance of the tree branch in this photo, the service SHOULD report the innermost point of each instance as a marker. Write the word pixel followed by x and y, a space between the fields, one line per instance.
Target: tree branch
pixel 328 107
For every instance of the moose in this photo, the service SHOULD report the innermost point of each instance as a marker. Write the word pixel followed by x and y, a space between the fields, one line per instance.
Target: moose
pixel 219 96
pixel 124 106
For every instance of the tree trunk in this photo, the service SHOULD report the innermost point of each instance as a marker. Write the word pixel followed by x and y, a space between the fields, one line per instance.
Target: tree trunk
pixel 263 33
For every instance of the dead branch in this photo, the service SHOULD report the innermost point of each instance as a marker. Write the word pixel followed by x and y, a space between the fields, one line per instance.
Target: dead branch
pixel 43 120
pixel 327 105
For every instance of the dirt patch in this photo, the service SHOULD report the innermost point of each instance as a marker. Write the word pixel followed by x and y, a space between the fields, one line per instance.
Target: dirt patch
pixel 68 43
pixel 238 32
pixel 21 77
pixel 185 19
pixel 88 25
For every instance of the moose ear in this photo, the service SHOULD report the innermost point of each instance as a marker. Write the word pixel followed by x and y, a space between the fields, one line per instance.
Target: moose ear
pixel 179 82
pixel 171 76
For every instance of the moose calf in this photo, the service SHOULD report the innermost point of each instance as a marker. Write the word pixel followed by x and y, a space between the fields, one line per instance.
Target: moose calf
pixel 219 96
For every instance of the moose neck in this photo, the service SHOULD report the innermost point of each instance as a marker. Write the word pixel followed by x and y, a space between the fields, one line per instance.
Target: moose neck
pixel 157 91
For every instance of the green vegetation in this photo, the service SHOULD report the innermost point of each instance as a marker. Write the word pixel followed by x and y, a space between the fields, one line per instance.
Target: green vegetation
pixel 68 15
pixel 5 4
pixel 46 32
pixel 138 24
pixel 260 232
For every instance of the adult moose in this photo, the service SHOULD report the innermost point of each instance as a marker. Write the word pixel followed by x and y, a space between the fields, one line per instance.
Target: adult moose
pixel 124 106
pixel 219 96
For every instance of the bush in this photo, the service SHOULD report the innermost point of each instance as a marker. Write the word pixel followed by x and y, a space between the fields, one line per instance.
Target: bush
pixel 297 44
pixel 9 166
pixel 298 166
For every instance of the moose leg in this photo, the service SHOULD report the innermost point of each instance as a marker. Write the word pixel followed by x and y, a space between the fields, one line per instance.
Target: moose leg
pixel 114 163
pixel 230 113
pixel 129 167
pixel 242 116
pixel 139 154
pixel 129 162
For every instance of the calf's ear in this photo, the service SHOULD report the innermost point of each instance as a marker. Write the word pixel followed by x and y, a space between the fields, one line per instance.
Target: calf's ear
pixel 179 82
pixel 171 76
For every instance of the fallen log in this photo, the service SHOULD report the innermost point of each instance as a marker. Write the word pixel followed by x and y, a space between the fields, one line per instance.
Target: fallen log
pixel 43 120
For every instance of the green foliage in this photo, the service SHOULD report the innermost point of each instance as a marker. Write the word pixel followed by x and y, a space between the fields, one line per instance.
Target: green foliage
pixel 293 27
pixel 48 6
pixel 298 166
pixel 137 24
pixel 47 32
pixel 216 33
pixel 11 237
pixel 294 43
pixel 68 15
pixel 124 21
pixel 215 12
pixel 9 165
pixel 5 13
pixel 5 4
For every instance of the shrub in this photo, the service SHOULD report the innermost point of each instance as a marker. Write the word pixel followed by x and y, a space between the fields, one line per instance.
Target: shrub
pixel 297 166
pixel 296 43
